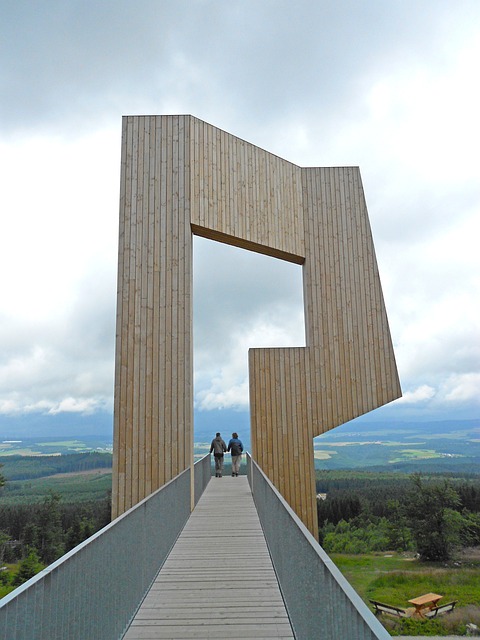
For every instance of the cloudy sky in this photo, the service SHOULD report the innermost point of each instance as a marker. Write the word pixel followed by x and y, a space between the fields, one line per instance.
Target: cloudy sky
pixel 389 85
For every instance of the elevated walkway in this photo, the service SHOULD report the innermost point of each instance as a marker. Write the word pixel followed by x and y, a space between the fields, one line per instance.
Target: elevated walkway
pixel 162 571
pixel 218 581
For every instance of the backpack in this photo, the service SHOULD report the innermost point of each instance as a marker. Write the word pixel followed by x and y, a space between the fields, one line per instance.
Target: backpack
pixel 236 449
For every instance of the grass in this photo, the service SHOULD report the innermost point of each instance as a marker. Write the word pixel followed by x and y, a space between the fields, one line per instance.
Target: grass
pixel 5 589
pixel 396 578
pixel 415 454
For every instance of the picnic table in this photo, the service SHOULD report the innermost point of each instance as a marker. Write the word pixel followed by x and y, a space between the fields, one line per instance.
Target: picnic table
pixel 424 604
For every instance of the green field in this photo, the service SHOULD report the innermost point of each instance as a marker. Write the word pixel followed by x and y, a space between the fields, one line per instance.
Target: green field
pixel 430 447
pixel 83 475
pixel 394 579
pixel 54 446
pixel 77 476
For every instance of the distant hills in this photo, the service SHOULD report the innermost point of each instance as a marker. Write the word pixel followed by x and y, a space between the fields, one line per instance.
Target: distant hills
pixel 72 425
pixel 443 446
pixel 434 427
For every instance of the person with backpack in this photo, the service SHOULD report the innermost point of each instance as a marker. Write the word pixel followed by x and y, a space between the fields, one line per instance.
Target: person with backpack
pixel 235 447
pixel 218 447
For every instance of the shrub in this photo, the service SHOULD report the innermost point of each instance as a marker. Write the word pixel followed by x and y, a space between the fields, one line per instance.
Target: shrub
pixel 29 566
pixel 456 621
pixel 345 537
pixel 5 576
pixel 435 523
pixel 447 625
pixel 415 627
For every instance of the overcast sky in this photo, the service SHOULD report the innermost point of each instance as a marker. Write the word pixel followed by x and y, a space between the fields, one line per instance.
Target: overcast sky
pixel 390 86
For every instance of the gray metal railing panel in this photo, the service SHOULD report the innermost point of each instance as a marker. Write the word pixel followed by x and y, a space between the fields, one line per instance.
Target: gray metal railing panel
pixel 95 590
pixel 319 600
pixel 202 472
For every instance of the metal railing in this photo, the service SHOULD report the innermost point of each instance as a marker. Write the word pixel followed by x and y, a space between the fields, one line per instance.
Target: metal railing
pixel 95 590
pixel 319 600
pixel 201 476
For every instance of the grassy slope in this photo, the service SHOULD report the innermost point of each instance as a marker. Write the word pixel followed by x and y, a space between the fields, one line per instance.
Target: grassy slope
pixel 396 578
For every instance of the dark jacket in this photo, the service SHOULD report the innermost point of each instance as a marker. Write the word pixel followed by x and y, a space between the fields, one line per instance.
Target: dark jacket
pixel 235 446
pixel 218 446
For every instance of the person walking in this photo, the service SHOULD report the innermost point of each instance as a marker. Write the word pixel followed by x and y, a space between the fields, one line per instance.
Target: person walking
pixel 218 447
pixel 235 447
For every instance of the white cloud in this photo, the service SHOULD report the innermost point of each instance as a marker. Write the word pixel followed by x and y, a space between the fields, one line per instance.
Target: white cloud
pixel 62 202
pixel 75 405
pixel 425 115
pixel 421 394
pixel 228 387
pixel 281 75
pixel 463 388
pixel 242 300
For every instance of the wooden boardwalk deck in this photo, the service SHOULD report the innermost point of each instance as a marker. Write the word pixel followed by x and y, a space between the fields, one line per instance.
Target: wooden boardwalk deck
pixel 218 581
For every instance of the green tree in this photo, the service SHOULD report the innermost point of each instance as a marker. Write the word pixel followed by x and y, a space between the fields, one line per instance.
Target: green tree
pixel 434 521
pixel 30 536
pixel 4 540
pixel 355 537
pixel 81 529
pixel 28 567
pixel 2 478
pixel 5 577
pixel 470 533
pixel 50 532
pixel 398 531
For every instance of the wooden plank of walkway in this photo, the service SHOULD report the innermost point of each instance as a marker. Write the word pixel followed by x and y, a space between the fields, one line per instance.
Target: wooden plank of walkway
pixel 218 581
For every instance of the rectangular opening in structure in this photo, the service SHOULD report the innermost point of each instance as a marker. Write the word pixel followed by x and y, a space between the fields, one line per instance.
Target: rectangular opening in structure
pixel 241 300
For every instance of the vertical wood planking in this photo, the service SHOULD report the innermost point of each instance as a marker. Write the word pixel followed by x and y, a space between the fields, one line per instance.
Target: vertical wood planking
pixel 345 312
pixel 157 366
pixel 180 173
pixel 343 372
pixel 246 193
pixel 142 268
pixel 173 387
pixel 153 392
pixel 282 440
pixel 188 316
pixel 132 337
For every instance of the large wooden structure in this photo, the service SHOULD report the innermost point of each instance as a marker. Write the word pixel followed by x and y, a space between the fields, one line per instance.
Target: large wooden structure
pixel 181 176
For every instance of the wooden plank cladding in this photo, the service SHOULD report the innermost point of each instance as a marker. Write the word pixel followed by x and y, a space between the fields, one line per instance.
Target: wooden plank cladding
pixel 346 322
pixel 348 366
pixel 180 176
pixel 246 244
pixel 245 193
pixel 282 440
pixel 153 414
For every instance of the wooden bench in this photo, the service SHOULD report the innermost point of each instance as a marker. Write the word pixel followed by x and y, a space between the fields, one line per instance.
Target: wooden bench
pixel 380 607
pixel 438 611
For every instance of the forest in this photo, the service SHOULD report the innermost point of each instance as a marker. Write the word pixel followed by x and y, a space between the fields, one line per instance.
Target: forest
pixel 361 512
pixel 38 524
pixel 17 467
pixel 396 536
pixel 49 504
